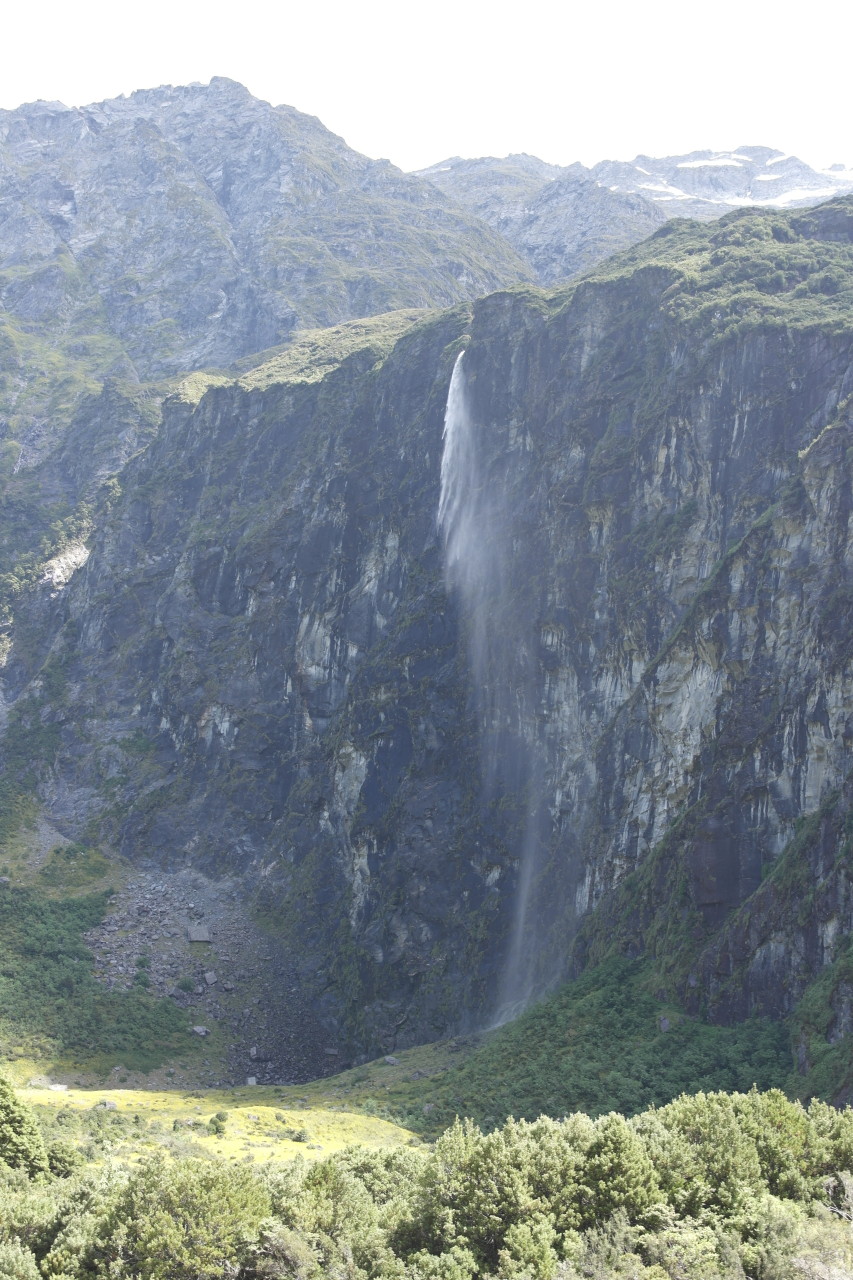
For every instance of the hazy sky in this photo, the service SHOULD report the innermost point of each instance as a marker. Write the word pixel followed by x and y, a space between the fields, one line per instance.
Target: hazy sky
pixel 416 83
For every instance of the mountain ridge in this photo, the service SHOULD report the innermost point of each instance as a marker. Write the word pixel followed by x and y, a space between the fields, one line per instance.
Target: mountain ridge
pixel 564 220
pixel 231 641
pixel 183 228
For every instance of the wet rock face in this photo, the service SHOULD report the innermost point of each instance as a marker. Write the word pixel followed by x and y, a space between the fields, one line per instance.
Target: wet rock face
pixel 268 604
pixel 266 677
pixel 675 559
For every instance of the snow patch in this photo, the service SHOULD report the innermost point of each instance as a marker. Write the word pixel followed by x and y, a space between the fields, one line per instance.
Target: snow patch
pixel 719 162
pixel 797 194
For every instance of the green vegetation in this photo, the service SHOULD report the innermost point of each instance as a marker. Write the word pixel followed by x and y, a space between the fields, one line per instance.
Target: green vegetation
pixel 46 371
pixel 308 355
pixel 145 1230
pixel 73 865
pixel 21 1143
pixel 312 353
pixel 27 743
pixel 829 1057
pixel 751 269
pixel 261 1124
pixel 50 1002
pixel 605 1043
pixel 712 1186
pixel 31 533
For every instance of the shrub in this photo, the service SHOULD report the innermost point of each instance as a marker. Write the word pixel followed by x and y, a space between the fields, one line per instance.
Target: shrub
pixel 617 1174
pixel 64 1158
pixel 189 1220
pixel 17 1263
pixel 21 1143
pixel 704 1159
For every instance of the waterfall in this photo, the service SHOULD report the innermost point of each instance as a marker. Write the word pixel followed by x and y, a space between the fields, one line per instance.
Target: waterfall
pixel 477 521
pixel 468 518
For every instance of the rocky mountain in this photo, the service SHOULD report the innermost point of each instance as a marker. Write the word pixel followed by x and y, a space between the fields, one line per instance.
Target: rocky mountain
pixel 704 184
pixel 561 221
pixel 183 228
pixel 493 188
pixel 475 672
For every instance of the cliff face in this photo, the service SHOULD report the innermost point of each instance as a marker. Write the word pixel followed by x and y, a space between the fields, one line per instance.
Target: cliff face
pixel 261 668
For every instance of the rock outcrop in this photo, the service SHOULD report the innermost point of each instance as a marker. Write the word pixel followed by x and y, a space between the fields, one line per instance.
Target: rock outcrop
pixel 259 670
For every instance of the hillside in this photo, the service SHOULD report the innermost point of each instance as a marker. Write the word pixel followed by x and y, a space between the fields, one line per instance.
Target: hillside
pixel 183 228
pixel 562 221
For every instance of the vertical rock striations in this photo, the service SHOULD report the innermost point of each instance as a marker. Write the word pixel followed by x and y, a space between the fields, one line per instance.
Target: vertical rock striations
pixel 261 670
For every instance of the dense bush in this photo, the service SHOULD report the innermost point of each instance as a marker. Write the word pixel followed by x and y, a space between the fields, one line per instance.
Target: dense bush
pixel 597 1045
pixel 185 1220
pixel 17 1263
pixel 711 1186
pixel 21 1143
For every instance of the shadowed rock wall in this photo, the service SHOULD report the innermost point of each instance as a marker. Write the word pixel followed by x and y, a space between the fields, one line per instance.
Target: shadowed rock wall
pixel 261 671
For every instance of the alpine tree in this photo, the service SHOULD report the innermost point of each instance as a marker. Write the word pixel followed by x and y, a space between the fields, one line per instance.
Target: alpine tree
pixel 21 1143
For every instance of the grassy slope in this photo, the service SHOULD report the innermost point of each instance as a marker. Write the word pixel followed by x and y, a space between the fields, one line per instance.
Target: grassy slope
pixel 260 1123
pixel 308 356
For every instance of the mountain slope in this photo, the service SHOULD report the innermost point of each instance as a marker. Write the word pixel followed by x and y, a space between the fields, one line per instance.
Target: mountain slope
pixel 260 670
pixel 561 221
pixel 705 184
pixel 186 227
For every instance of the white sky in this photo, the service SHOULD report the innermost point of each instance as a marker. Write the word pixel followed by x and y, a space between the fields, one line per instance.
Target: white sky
pixel 572 81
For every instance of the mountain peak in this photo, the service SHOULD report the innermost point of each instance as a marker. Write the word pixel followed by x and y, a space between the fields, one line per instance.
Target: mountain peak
pixel 225 85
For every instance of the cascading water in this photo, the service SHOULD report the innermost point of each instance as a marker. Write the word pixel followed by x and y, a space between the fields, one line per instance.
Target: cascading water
pixel 476 521
pixel 468 517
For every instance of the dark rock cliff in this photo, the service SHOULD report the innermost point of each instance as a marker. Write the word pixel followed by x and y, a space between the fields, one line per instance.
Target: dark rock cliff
pixel 259 668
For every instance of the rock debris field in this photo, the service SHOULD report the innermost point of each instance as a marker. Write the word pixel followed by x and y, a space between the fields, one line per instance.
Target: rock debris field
pixel 240 981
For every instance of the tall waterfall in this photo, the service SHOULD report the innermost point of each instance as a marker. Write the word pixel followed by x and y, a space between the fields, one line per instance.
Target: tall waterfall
pixel 476 521
pixel 469 520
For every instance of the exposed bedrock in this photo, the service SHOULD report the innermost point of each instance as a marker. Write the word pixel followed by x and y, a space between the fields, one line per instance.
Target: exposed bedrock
pixel 265 676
